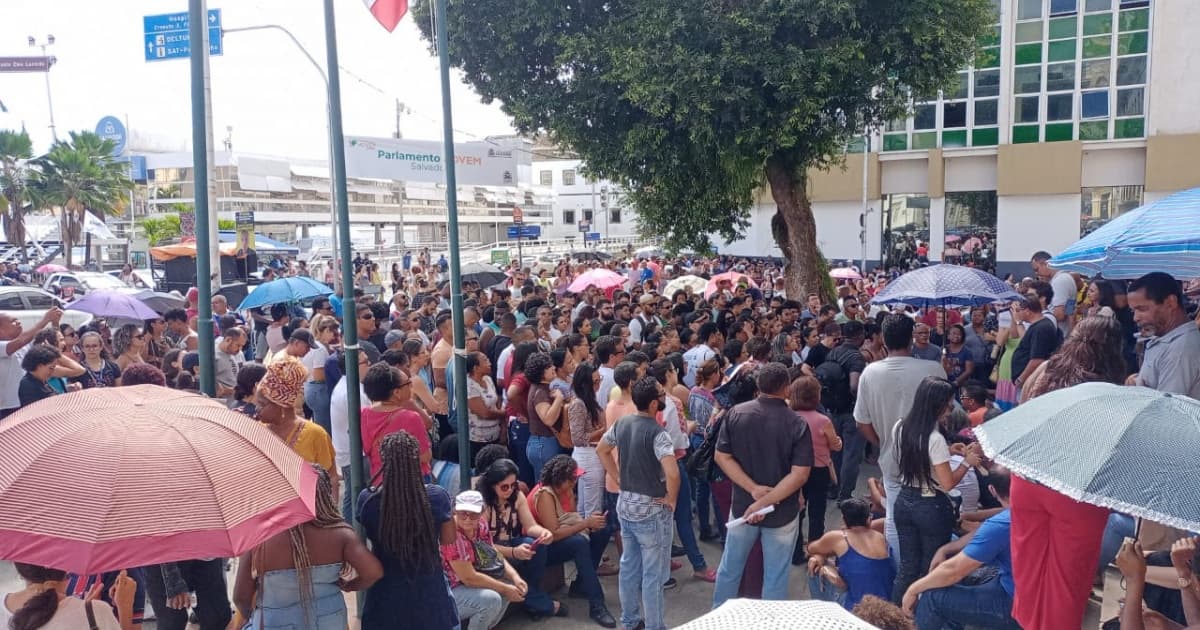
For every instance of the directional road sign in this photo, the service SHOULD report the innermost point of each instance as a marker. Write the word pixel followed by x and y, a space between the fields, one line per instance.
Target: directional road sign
pixel 166 36
pixel 591 236
pixel 524 231
pixel 26 64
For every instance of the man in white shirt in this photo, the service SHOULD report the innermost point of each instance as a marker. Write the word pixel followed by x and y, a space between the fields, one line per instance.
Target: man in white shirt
pixel 885 395
pixel 609 353
pixel 339 420
pixel 14 341
pixel 648 303
pixel 710 341
pixel 1065 291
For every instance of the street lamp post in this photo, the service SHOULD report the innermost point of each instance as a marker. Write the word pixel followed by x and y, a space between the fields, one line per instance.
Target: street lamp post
pixel 33 43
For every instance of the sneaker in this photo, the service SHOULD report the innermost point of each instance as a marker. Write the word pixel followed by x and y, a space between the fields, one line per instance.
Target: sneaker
pixel 599 613
pixel 677 551
pixel 670 584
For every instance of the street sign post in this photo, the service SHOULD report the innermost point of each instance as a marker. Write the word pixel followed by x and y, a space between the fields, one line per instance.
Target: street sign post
pixel 518 215
pixel 592 236
pixel 166 36
pixel 111 128
pixel 26 64
pixel 518 232
pixel 585 226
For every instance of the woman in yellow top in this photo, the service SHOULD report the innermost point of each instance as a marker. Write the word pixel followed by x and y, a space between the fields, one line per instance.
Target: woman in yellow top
pixel 278 392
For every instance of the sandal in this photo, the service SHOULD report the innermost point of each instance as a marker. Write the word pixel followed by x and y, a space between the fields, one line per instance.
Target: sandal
pixel 707 575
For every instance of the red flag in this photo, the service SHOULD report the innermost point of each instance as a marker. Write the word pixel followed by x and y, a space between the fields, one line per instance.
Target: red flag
pixel 388 12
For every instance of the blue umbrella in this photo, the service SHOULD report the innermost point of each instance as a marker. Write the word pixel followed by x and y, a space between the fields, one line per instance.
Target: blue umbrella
pixel 1160 236
pixel 113 304
pixel 945 285
pixel 290 289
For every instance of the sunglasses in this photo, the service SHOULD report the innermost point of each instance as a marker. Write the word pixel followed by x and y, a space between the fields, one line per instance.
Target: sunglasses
pixel 505 487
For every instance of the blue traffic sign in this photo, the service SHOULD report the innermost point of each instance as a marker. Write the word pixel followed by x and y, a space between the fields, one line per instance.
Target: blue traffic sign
pixel 110 128
pixel 524 231
pixel 591 236
pixel 167 36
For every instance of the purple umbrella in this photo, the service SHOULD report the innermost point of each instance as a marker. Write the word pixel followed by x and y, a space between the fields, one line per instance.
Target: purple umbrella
pixel 113 304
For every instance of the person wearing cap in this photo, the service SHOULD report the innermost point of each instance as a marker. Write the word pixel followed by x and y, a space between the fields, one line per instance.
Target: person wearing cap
pixel 394 339
pixel 482 582
pixel 300 343
pixel 280 390
pixel 577 537
pixel 645 322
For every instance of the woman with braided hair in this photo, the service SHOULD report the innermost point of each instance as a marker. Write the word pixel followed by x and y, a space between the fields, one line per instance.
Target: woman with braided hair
pixel 294 579
pixel 407 521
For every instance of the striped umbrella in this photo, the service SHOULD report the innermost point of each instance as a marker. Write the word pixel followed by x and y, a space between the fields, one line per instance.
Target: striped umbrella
pixel 1159 236
pixel 112 478
pixel 945 285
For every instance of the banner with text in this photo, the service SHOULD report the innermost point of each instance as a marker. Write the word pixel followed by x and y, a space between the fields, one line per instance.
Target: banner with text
pixel 477 163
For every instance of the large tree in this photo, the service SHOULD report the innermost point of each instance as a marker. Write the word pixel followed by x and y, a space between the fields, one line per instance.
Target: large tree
pixel 81 176
pixel 16 150
pixel 694 105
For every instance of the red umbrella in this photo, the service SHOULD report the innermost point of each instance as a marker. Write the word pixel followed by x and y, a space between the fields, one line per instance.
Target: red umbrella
pixel 107 479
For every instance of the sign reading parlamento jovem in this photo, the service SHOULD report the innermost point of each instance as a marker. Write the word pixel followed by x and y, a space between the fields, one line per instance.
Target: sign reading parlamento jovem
pixel 476 163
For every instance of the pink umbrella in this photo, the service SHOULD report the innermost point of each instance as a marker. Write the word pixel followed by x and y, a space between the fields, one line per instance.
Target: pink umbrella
pixel 112 478
pixel 50 268
pixel 844 273
pixel 602 279
pixel 970 245
pixel 734 278
pixel 953 238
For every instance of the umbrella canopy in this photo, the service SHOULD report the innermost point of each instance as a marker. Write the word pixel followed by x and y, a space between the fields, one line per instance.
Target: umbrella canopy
pixel 750 614
pixel 113 304
pixel 695 283
pixel 484 274
pixel 970 245
pixel 945 285
pixel 50 268
pixel 844 273
pixel 290 289
pixel 160 302
pixel 111 478
pixel 600 278
pixel 1120 442
pixel 1160 236
pixel 649 252
pixel 734 279
pixel 591 254
pixel 953 238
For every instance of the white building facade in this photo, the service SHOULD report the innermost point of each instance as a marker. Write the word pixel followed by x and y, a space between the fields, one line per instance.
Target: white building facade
pixel 1073 112
pixel 581 205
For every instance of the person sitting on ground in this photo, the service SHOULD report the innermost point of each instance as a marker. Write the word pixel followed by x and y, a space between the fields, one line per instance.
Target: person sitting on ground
pixel 482 582
pixel 864 566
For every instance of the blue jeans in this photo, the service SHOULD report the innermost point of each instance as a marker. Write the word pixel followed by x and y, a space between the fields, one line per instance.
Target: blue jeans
pixel 924 523
pixel 777 546
pixel 683 521
pixel 822 589
pixel 316 396
pixel 850 457
pixel 645 567
pixel 482 606
pixel 983 605
pixel 518 441
pixel 1119 527
pixel 578 549
pixel 705 504
pixel 532 570
pixel 539 451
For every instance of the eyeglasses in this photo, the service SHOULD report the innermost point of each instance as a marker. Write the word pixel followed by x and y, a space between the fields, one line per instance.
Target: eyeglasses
pixel 403 384
pixel 141 336
pixel 468 516
pixel 505 487
pixel 366 316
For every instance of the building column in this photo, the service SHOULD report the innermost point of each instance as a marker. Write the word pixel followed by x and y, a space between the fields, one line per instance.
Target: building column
pixel 304 230
pixel 378 233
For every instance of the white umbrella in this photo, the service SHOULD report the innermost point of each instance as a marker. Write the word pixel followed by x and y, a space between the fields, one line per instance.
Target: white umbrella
pixel 752 614
pixel 696 283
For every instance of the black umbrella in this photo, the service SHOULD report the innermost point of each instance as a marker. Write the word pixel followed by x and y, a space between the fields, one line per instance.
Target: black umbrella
pixel 484 274
pixel 591 255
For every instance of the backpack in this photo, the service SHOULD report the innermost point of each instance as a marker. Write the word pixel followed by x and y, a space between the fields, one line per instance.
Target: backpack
pixel 495 347
pixel 835 386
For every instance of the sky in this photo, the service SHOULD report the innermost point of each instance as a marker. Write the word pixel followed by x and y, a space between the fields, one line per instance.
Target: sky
pixel 263 86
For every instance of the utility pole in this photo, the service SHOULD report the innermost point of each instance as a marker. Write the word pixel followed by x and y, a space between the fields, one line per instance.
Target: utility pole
pixel 862 235
pixel 201 121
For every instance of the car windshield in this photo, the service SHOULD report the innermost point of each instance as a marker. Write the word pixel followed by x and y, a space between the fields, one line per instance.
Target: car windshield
pixel 101 281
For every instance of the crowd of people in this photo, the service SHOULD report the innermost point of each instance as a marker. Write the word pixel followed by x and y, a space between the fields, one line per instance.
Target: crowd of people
pixel 607 425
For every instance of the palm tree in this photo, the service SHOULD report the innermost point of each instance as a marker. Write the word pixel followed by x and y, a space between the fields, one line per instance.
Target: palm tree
pixel 81 175
pixel 16 149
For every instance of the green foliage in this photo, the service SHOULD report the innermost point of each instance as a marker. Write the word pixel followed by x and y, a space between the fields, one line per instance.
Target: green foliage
pixel 226 224
pixel 159 229
pixel 687 101
pixel 16 149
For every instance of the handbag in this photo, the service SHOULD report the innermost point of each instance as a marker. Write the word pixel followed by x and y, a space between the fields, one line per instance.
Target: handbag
pixel 700 462
pixel 91 615
pixel 487 560
pixel 562 431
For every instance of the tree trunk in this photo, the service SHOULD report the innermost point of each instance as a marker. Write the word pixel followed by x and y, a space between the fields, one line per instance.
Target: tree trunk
pixel 795 230
pixel 64 235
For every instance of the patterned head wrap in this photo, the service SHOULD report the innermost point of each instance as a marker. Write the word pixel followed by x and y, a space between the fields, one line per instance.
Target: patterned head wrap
pixel 283 383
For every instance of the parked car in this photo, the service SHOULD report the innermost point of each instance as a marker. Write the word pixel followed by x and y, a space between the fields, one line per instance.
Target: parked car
pixel 81 282
pixel 143 278
pixel 29 304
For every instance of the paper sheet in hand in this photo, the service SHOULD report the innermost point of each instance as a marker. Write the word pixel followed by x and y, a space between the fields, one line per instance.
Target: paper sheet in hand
pixel 742 520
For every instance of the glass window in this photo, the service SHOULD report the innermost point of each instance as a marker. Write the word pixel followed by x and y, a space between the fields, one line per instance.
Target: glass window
pixel 1027 80
pixel 568 177
pixel 1131 102
pixel 1094 104
pixel 588 215
pixel 1029 32
pixel 954 115
pixel 568 217
pixel 1098 5
pixel 986 112
pixel 1131 70
pixel 1094 74
pixel 1060 106
pixel 1101 204
pixel 1061 28
pixel 960 90
pixel 39 300
pixel 1062 7
pixel 1026 110
pixel 614 215
pixel 1094 47
pixel 1097 24
pixel 925 117
pixel 546 178
pixel 12 302
pixel 987 83
pixel 1029 9
pixel 1060 76
pixel 971 229
pixel 905 222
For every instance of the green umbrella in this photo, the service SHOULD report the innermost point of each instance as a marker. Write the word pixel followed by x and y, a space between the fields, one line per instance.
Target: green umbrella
pixel 1131 449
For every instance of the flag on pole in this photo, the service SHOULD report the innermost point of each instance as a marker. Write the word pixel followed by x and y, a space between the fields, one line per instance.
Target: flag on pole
pixel 388 12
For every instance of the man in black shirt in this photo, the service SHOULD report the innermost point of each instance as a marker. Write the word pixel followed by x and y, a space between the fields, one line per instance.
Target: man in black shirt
pixel 38 363
pixel 850 358
pixel 767 454
pixel 1040 340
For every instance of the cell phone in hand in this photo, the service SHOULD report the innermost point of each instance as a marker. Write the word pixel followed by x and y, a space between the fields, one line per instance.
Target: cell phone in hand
pixel 534 545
